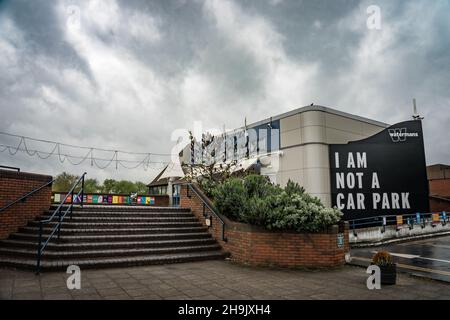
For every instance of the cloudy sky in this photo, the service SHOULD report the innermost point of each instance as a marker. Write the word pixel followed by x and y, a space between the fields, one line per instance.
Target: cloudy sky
pixel 125 74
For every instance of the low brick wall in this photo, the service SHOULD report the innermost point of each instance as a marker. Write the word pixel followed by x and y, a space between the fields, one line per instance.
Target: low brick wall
pixel 438 204
pixel 12 186
pixel 257 246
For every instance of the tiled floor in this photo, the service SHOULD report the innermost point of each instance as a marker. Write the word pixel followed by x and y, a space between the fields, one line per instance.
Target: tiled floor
pixel 213 280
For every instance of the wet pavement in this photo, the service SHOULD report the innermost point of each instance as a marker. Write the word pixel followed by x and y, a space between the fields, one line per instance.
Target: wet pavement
pixel 429 258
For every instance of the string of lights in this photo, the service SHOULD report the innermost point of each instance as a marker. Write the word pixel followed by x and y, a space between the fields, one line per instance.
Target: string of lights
pixel 57 150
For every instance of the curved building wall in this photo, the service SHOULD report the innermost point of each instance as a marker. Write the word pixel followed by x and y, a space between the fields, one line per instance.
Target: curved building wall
pixel 304 139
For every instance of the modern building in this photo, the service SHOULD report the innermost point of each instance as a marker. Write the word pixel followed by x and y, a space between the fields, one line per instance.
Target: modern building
pixel 290 146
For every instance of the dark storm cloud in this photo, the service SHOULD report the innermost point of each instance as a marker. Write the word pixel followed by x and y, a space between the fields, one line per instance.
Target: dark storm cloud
pixel 136 70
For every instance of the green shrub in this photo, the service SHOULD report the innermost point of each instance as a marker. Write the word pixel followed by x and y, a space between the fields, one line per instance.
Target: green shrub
pixel 230 197
pixel 256 201
pixel 208 186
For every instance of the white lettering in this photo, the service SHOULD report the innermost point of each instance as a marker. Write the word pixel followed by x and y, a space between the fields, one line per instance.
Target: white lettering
pixel 350 180
pixel 336 160
pixel 340 182
pixel 405 200
pixel 395 201
pixel 359 175
pixel 376 199
pixel 360 201
pixel 350 161
pixel 361 159
pixel 374 280
pixel 385 204
pixel 350 202
pixel 74 280
pixel 375 182
pixel 340 197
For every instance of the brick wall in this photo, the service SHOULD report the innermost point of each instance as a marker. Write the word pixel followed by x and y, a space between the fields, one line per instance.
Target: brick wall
pixel 439 204
pixel 12 186
pixel 256 246
pixel 440 187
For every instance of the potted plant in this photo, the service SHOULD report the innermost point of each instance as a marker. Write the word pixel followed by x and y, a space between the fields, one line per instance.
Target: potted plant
pixel 387 267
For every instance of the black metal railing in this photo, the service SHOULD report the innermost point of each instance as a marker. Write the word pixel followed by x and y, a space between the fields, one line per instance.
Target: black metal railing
pixel 409 220
pixel 206 205
pixel 26 195
pixel 60 214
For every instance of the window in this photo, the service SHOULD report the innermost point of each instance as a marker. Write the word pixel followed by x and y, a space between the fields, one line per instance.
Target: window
pixel 158 190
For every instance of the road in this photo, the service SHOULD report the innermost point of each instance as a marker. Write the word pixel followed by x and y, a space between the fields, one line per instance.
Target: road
pixel 428 258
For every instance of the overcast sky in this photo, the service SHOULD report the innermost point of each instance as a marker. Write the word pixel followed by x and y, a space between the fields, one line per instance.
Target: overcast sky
pixel 125 74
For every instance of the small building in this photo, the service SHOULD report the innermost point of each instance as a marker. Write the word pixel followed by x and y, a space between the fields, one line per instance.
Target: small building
pixel 158 186
pixel 163 184
pixel 439 182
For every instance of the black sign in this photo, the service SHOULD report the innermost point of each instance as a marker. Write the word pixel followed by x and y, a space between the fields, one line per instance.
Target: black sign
pixel 384 174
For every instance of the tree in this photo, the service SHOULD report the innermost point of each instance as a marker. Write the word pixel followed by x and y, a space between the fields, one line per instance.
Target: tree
pixel 63 182
pixel 141 187
pixel 92 186
pixel 124 186
pixel 108 185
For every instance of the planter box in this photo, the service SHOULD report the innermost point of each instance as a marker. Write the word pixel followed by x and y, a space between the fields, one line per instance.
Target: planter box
pixel 388 274
pixel 253 245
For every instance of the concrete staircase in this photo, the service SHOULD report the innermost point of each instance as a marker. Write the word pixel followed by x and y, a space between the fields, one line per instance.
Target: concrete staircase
pixel 99 236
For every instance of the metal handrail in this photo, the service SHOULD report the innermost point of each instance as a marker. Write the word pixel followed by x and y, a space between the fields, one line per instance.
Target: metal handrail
pixel 25 196
pixel 205 204
pixel 382 221
pixel 61 215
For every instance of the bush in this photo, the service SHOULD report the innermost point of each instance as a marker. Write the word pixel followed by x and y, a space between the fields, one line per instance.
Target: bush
pixel 256 201
pixel 382 258
pixel 230 197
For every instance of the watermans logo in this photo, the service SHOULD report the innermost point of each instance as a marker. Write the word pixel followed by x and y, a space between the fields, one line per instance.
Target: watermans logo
pixel 400 134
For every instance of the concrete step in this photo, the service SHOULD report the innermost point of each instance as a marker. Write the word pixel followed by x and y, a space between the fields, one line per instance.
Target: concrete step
pixel 111 253
pixel 58 247
pixel 114 237
pixel 77 223
pixel 177 228
pixel 62 264
pixel 118 208
pixel 128 214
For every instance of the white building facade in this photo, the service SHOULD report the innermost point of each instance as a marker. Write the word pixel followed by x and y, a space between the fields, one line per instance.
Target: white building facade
pixel 290 146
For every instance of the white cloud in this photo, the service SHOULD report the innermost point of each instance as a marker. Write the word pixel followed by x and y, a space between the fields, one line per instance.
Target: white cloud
pixel 110 75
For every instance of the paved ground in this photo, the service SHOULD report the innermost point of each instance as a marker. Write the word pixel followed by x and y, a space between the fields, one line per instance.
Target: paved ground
pixel 427 258
pixel 214 280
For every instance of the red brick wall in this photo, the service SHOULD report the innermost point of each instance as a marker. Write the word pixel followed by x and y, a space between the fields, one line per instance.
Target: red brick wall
pixel 12 186
pixel 439 205
pixel 256 246
pixel 440 187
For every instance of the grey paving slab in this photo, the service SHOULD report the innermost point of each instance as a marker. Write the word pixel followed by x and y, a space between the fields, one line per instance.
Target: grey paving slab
pixel 225 280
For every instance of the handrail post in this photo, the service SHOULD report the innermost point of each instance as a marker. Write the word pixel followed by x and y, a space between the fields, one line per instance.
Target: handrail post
pixel 223 233
pixel 82 190
pixel 41 246
pixel 71 205
pixel 38 262
pixel 59 224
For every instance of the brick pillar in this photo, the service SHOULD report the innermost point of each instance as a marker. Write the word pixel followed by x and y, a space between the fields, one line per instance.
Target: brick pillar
pixel 12 186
